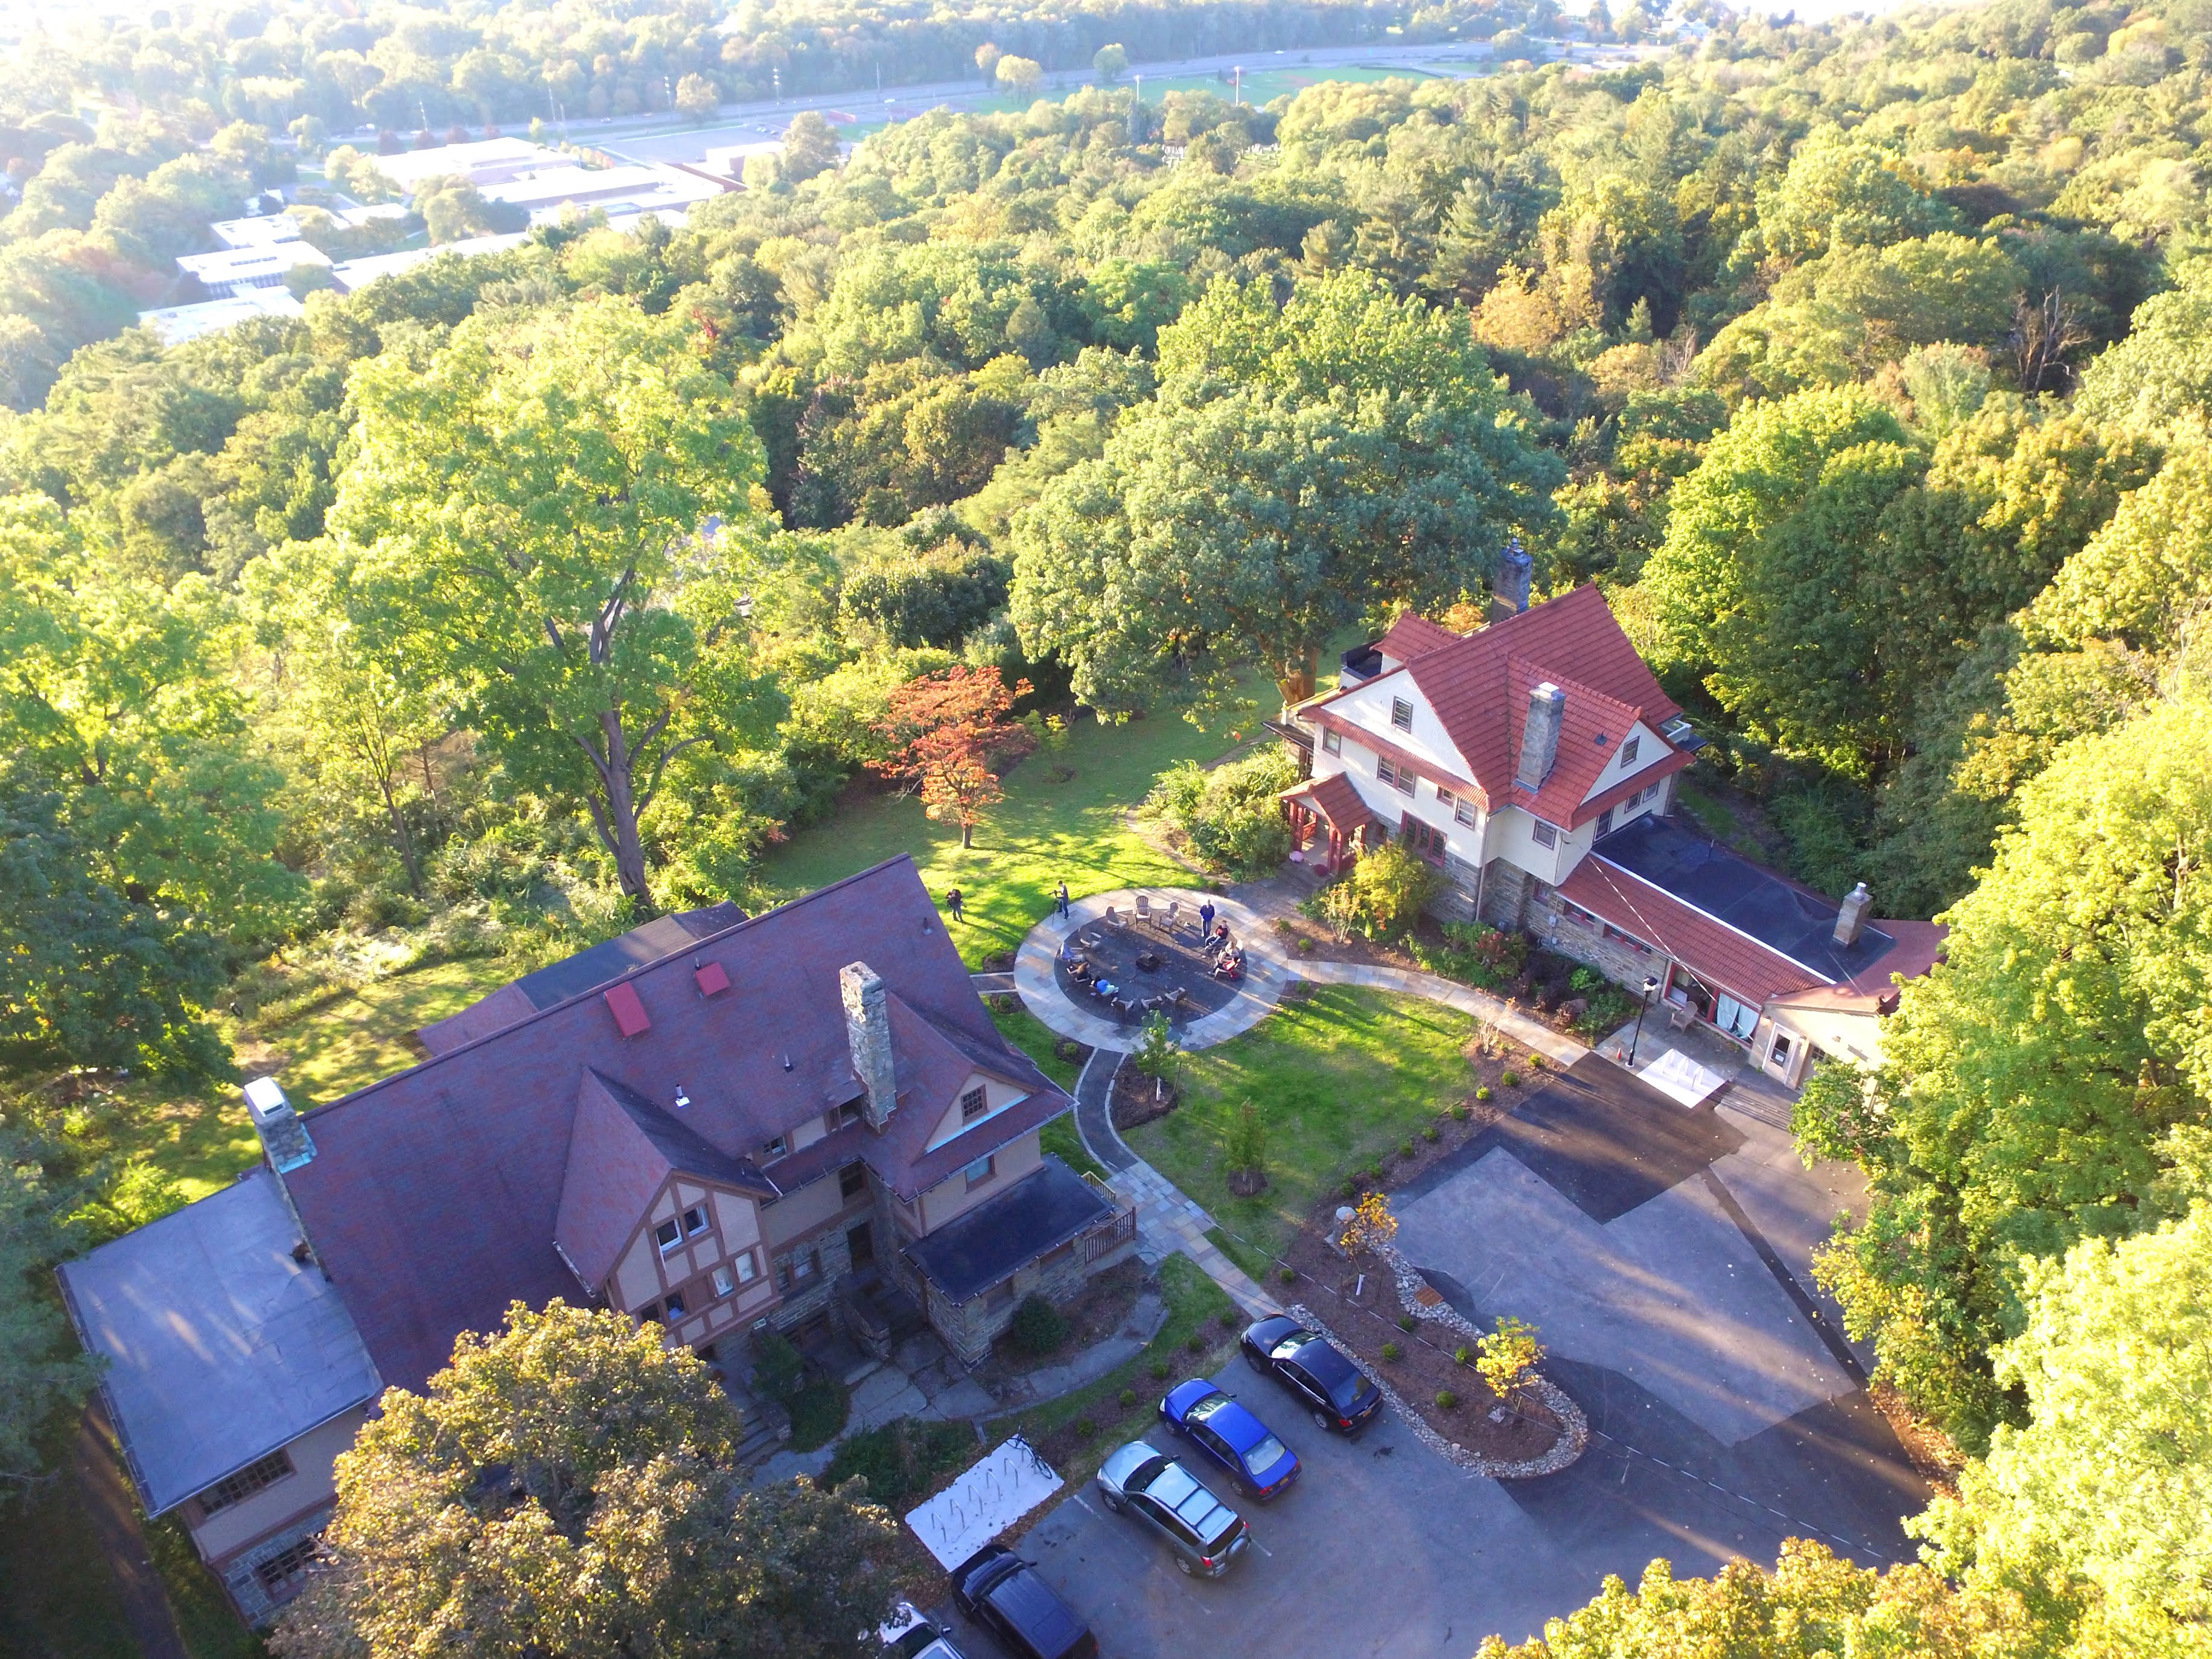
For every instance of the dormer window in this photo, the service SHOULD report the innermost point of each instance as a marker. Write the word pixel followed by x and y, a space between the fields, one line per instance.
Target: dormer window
pixel 973 1105
pixel 668 1235
pixel 1401 714
pixel 1628 752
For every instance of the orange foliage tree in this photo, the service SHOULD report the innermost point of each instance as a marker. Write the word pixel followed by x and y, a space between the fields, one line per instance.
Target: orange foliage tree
pixel 951 729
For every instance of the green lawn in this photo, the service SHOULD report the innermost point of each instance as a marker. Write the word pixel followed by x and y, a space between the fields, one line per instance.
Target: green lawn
pixel 1042 834
pixel 1340 1079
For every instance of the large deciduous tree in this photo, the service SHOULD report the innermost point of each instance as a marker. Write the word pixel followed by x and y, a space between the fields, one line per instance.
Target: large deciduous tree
pixel 531 508
pixel 950 730
pixel 2036 1081
pixel 567 1486
pixel 1298 468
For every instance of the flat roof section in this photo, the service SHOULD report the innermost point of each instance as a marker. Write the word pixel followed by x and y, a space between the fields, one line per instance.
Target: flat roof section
pixel 1778 913
pixel 1041 1212
pixel 220 1346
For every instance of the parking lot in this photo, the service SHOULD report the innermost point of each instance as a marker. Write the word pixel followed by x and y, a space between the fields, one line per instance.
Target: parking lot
pixel 1661 1258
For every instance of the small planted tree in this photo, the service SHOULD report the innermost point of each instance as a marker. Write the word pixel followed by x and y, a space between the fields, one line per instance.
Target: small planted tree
pixel 1508 1357
pixel 950 730
pixel 1158 1055
pixel 1371 1226
pixel 1246 1151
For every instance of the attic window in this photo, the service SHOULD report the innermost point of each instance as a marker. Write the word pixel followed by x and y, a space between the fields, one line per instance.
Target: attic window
pixel 629 1012
pixel 973 1105
pixel 713 980
pixel 1628 752
pixel 695 1220
pixel 1401 714
pixel 775 1149
pixel 667 1235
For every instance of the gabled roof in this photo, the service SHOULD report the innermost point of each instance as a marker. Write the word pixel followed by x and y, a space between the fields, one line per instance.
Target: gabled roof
pixel 1413 634
pixel 1472 681
pixel 219 1345
pixel 1592 729
pixel 436 1195
pixel 622 1151
pixel 1334 799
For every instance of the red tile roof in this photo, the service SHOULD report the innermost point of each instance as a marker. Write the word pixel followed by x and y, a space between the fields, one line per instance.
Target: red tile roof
pixel 1412 635
pixel 1479 685
pixel 1336 800
pixel 434 1199
pixel 1717 953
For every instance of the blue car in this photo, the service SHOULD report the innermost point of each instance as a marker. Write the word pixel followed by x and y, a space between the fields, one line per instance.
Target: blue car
pixel 1231 1436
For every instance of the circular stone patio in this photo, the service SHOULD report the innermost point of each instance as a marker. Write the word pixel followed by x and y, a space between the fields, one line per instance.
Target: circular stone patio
pixel 1266 972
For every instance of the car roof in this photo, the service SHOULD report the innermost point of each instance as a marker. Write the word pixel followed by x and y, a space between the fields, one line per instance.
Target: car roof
pixel 1272 1329
pixel 1236 1425
pixel 1179 1490
pixel 1318 1358
pixel 1028 1605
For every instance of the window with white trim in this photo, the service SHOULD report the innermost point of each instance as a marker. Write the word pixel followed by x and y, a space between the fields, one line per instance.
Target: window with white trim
pixel 668 1235
pixel 746 1266
pixel 725 1282
pixel 1401 714
pixel 1628 751
pixel 774 1149
pixel 695 1220
pixel 1544 834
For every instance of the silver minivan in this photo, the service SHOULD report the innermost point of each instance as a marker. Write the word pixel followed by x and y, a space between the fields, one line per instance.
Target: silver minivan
pixel 1204 1534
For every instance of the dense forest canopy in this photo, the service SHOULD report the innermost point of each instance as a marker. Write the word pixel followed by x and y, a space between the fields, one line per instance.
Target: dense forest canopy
pixel 1863 365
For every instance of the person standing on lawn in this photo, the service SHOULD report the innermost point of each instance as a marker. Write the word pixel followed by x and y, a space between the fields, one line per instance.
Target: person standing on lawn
pixel 1060 898
pixel 1206 920
pixel 952 902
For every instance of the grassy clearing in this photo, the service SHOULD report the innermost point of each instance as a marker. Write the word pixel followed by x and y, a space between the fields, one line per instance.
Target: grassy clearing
pixel 1042 834
pixel 1340 1079
pixel 1257 1263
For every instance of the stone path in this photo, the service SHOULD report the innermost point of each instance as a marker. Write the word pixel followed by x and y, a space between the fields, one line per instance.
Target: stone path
pixel 1094 1121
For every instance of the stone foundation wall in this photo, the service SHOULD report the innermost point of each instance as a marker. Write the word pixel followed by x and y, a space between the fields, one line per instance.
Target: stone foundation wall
pixel 242 1580
pixel 969 1327
pixel 1505 895
pixel 1587 942
pixel 1454 900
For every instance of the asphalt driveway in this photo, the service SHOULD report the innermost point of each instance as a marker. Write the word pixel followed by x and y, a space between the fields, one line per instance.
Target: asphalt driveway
pixel 1662 1254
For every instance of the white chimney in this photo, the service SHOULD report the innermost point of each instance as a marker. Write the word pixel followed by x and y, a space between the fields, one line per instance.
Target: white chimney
pixel 1539 737
pixel 1852 916
pixel 868 1028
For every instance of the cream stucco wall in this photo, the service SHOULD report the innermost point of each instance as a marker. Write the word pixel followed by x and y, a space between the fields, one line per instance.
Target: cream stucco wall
pixel 952 1196
pixel 1368 707
pixel 312 1481
pixel 998 1095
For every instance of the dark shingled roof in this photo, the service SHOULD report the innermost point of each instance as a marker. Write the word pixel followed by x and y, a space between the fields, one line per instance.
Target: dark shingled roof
pixel 587 970
pixel 1041 1212
pixel 436 1195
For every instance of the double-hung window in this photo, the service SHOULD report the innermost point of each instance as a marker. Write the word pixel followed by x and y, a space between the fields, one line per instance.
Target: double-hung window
pixel 1332 741
pixel 1399 778
pixel 1401 714
pixel 980 1171
pixel 1628 751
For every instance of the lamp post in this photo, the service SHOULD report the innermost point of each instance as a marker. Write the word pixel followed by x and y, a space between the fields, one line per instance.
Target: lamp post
pixel 1642 1004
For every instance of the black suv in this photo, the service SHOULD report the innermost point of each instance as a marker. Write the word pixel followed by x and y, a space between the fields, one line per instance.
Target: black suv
pixel 1008 1597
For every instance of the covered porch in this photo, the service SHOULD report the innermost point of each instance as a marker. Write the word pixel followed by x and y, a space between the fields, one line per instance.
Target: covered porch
pixel 1331 825
pixel 1044 1235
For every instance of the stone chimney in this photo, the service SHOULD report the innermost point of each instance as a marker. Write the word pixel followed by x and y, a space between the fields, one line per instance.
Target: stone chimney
pixel 1852 916
pixel 1540 738
pixel 1511 583
pixel 868 1028
pixel 284 1137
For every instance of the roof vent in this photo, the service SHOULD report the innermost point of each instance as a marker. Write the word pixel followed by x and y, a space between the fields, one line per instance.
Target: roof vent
pixel 682 1099
pixel 714 980
pixel 786 1060
pixel 628 1012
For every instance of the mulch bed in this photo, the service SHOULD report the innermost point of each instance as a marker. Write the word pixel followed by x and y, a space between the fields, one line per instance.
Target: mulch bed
pixel 1138 1099
pixel 1101 1311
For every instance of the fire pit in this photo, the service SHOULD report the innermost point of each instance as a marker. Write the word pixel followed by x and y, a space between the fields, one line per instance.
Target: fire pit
pixel 1149 960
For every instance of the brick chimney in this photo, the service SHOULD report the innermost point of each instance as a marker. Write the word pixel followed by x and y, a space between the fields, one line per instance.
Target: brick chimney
pixel 1540 738
pixel 868 1028
pixel 1852 916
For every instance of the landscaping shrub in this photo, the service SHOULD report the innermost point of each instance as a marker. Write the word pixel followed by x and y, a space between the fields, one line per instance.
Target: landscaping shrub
pixel 1508 1078
pixel 1381 898
pixel 1406 1321
pixel 1229 1318
pixel 1431 1132
pixel 1128 1398
pixel 778 1368
pixel 1197 1343
pixel 1160 1370
pixel 1481 1093
pixel 1475 954
pixel 1085 1428
pixel 1459 1113
pixel 1462 1355
pixel 1392 1350
pixel 1584 980
pixel 1404 1148
pixel 1288 1276
pixel 1446 1399
pixel 1039 1328
pixel 900 1460
pixel 1229 816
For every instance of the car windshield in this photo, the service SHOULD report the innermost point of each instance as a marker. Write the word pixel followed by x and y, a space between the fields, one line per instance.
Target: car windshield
pixel 1265 1455
pixel 1207 1517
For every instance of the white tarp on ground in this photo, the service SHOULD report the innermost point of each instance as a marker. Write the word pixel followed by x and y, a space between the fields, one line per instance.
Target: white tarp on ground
pixel 983 1503
pixel 1676 1074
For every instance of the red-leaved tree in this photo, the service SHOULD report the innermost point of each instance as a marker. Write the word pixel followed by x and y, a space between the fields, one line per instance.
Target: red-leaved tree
pixel 951 729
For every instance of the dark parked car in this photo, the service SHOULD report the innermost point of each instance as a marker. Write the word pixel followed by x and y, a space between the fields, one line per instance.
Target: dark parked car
pixel 1204 1534
pixel 1316 1370
pixel 919 1638
pixel 1231 1436
pixel 1008 1597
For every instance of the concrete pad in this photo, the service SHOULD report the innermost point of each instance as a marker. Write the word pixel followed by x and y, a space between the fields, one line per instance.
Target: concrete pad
pixel 907 1401
pixel 964 1398
pixel 878 1387
pixel 1670 1294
